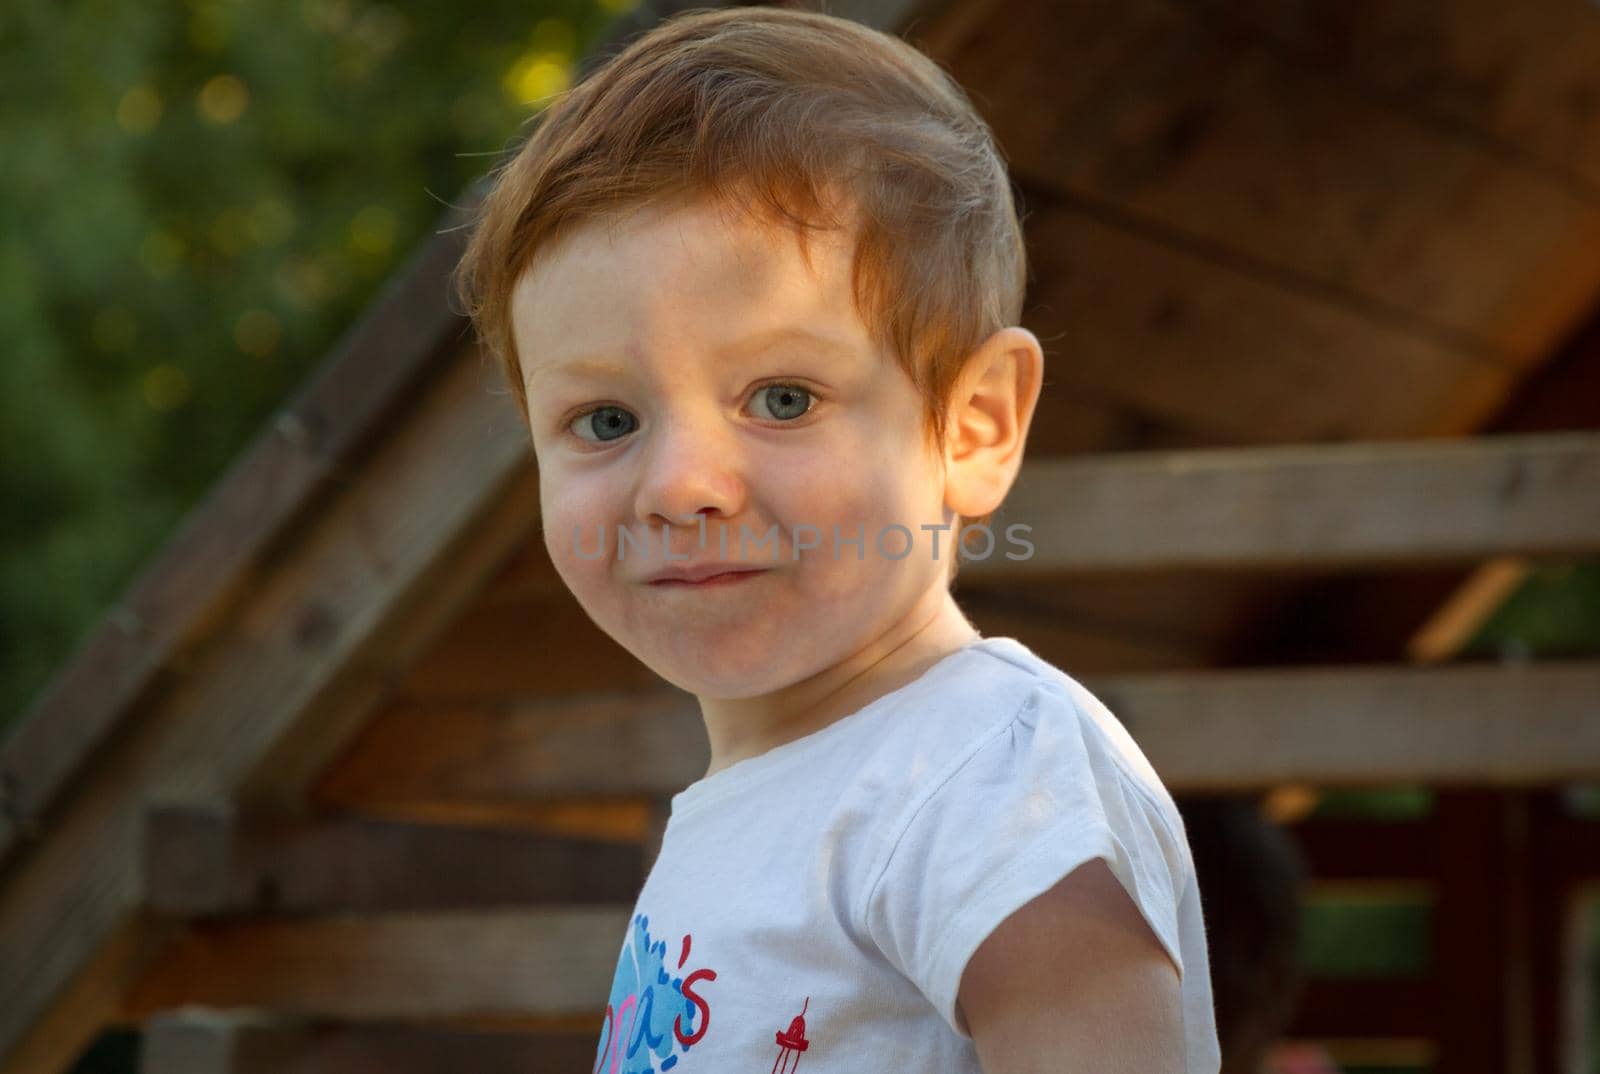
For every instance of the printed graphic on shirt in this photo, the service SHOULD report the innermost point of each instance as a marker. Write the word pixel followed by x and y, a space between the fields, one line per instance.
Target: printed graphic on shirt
pixel 653 1018
pixel 792 1043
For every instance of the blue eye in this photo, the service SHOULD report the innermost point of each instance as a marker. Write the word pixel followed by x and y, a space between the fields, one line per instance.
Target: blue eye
pixel 784 402
pixel 778 402
pixel 605 423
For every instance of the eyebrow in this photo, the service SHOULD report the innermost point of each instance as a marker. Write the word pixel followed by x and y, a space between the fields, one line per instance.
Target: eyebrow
pixel 753 344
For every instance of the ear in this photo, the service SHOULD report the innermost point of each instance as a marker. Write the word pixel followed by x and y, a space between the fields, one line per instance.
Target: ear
pixel 987 422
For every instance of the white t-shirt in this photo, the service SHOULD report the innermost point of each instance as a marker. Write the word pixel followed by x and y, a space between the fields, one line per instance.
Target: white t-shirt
pixel 821 900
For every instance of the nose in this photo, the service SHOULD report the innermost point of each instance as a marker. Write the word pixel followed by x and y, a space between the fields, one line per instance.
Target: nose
pixel 689 469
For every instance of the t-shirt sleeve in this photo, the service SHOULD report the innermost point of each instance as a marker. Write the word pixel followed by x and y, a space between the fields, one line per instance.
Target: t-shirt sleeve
pixel 1009 816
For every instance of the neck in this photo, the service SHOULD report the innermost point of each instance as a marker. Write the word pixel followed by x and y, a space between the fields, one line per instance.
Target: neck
pixel 740 728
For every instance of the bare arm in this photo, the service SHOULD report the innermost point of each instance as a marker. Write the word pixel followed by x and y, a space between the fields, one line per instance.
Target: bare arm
pixel 1075 982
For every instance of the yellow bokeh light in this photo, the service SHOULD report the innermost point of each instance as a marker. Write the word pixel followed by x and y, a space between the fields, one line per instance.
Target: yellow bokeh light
pixel 618 7
pixel 224 98
pixel 537 76
pixel 1289 803
pixel 166 387
pixel 139 110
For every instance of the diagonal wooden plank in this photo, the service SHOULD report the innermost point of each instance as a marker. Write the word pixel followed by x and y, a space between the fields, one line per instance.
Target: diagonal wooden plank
pixel 295 650
pixel 404 335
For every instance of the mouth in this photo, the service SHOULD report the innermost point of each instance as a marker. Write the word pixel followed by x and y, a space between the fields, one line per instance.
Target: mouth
pixel 708 581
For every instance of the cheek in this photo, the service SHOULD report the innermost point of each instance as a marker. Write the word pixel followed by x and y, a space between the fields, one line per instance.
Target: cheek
pixel 851 479
pixel 577 574
pixel 862 509
pixel 865 480
pixel 574 519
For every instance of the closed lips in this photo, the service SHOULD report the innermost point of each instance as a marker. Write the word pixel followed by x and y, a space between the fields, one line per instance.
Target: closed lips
pixel 705 574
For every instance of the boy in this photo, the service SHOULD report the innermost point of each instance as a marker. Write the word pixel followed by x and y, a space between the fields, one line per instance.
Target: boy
pixel 755 283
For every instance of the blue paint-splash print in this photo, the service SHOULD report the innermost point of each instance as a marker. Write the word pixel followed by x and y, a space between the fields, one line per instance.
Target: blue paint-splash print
pixel 653 1018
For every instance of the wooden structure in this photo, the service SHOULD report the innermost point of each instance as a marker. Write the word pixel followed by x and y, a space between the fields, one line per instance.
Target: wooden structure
pixel 347 781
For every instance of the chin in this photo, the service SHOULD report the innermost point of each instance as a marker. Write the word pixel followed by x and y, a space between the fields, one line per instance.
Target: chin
pixel 703 680
pixel 733 670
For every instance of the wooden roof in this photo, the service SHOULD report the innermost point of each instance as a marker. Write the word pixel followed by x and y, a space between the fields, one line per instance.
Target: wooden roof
pixel 1251 226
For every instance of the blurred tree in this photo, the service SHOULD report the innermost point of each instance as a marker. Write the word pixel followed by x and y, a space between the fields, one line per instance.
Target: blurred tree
pixel 196 199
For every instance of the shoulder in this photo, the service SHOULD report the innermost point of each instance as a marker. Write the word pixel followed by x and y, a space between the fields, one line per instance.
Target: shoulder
pixel 997 707
pixel 977 693
pixel 938 723
pixel 1060 700
pixel 1012 804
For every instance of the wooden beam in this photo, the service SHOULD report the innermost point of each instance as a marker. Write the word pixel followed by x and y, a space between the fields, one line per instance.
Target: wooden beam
pixel 1458 620
pixel 556 962
pixel 92 998
pixel 1228 355
pixel 1365 726
pixel 299 660
pixel 197 575
pixel 615 818
pixel 1517 79
pixel 546 645
pixel 436 599
pixel 1172 122
pixel 205 859
pixel 1343 505
pixel 198 1041
pixel 654 744
pixel 1123 621
pixel 1351 726
pixel 1562 394
pixel 1428 615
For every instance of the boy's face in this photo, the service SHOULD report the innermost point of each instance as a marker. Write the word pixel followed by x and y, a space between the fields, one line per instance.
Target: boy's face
pixel 660 391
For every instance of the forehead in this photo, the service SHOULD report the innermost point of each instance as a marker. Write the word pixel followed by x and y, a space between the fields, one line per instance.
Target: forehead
pixel 679 273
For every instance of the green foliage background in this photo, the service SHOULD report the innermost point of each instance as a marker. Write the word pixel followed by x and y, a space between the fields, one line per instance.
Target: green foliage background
pixel 196 200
